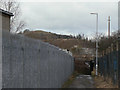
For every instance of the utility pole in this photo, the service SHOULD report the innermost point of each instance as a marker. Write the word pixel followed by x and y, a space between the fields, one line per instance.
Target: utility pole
pixel 96 42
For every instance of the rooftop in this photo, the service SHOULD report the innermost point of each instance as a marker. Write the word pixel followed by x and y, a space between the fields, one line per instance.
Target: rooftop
pixel 6 12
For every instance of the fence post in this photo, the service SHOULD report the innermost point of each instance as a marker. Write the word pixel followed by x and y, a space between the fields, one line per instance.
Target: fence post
pixel 118 48
pixel 115 59
pixel 107 53
pixel 109 60
pixel 111 63
pixel 103 69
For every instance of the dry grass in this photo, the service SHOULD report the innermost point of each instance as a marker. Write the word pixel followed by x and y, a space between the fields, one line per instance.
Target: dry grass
pixel 100 82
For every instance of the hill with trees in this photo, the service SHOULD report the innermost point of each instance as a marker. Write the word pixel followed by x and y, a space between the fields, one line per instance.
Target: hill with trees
pixel 70 42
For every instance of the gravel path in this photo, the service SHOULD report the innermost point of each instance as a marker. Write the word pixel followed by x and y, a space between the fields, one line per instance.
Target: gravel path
pixel 82 81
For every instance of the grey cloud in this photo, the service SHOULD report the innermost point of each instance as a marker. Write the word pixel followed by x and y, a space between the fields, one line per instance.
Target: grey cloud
pixel 68 18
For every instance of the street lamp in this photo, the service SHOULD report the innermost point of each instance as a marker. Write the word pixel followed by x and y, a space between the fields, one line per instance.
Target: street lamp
pixel 96 41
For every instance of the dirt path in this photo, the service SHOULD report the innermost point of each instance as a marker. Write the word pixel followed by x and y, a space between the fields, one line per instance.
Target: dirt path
pixel 83 81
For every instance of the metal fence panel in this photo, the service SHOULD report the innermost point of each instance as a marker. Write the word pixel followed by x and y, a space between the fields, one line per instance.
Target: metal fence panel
pixel 30 63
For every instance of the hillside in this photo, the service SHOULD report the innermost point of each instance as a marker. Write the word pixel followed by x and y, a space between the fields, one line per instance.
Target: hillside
pixel 45 36
pixel 69 42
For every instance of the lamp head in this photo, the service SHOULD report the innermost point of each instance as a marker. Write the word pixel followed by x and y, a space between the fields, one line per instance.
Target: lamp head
pixel 93 13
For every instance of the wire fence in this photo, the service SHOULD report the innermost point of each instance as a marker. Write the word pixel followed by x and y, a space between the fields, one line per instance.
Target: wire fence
pixel 109 64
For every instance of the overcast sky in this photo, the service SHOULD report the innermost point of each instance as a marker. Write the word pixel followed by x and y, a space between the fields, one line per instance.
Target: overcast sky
pixel 69 17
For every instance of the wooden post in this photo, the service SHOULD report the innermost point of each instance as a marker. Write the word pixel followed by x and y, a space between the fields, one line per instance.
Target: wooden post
pixel 112 47
pixel 117 49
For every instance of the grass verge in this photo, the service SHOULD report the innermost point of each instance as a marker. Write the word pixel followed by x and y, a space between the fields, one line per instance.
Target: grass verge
pixel 100 82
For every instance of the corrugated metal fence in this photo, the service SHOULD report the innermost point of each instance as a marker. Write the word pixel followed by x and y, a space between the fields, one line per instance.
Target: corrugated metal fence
pixel 30 63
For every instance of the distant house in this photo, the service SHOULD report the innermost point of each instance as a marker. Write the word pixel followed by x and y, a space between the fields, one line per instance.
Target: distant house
pixel 5 19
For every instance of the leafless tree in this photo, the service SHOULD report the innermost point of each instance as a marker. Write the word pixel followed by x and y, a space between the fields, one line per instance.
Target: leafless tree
pixel 14 7
pixel 95 36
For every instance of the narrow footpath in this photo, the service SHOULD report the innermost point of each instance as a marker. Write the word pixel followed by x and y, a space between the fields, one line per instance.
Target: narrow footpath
pixel 83 81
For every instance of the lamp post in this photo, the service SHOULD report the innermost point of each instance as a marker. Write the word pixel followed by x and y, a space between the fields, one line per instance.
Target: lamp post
pixel 96 41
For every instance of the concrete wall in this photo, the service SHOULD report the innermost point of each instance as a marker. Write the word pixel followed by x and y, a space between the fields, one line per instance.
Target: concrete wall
pixel 30 63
